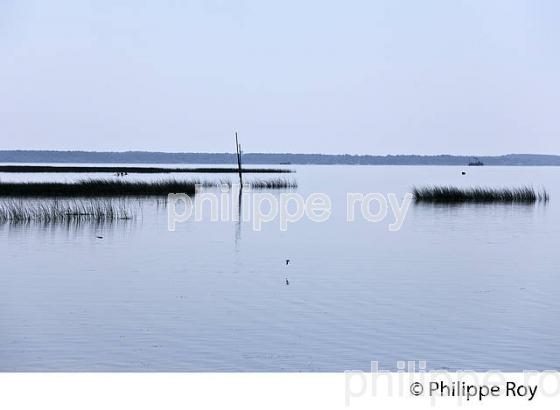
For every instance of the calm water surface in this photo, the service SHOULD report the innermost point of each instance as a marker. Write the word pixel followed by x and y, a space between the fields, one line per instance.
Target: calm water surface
pixel 463 287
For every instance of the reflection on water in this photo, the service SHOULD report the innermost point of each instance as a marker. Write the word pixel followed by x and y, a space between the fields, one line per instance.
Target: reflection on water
pixel 67 225
pixel 462 287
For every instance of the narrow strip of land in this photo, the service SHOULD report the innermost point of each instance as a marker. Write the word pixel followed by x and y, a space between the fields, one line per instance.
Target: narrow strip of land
pixel 134 170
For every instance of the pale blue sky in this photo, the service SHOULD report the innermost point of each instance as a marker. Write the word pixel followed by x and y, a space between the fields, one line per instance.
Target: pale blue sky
pixel 356 76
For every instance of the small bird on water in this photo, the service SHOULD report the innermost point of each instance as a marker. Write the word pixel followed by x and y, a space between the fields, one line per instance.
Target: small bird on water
pixel 287 262
pixel 99 237
pixel 287 281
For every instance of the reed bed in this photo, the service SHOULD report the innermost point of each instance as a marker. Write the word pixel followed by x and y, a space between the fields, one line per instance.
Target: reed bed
pixel 449 194
pixel 56 211
pixel 96 188
pixel 275 183
pixel 121 188
pixel 214 184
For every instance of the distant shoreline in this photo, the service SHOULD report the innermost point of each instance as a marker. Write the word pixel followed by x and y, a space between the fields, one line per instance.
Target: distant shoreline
pixel 144 157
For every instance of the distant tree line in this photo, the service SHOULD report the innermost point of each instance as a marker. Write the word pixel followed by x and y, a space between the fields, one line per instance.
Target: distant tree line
pixel 143 157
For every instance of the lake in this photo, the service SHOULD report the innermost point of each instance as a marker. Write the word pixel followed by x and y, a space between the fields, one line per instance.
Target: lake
pixel 465 287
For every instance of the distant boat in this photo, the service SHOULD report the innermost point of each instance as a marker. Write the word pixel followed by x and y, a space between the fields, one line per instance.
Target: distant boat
pixel 285 163
pixel 476 163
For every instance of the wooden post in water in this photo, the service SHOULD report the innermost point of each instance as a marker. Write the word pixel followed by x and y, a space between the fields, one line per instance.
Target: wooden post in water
pixel 238 150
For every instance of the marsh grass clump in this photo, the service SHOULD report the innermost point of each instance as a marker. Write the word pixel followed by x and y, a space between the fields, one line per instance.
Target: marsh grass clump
pixel 449 194
pixel 275 183
pixel 213 184
pixel 55 211
pixel 97 188
pixel 122 188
